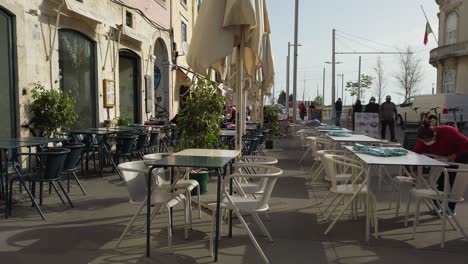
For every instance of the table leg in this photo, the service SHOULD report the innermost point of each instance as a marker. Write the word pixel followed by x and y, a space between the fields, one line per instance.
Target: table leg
pixel 148 211
pixel 101 157
pixel 368 204
pixel 218 205
pixel 230 192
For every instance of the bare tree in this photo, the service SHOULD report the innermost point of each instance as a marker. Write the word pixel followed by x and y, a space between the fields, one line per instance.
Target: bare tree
pixel 411 72
pixel 380 80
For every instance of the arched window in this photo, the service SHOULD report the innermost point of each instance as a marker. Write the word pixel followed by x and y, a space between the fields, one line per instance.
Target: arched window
pixel 451 28
pixel 77 71
pixel 449 81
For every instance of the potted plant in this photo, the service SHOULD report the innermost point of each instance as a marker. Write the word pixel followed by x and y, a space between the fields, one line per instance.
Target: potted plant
pixel 271 122
pixel 52 110
pixel 198 122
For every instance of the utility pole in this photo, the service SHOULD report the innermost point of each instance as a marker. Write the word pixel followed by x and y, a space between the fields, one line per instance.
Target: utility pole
pixel 359 80
pixel 342 86
pixel 303 90
pixel 323 92
pixel 333 77
pixel 287 81
pixel 296 25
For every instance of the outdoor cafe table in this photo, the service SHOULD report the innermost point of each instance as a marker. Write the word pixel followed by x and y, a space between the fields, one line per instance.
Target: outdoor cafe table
pixel 103 133
pixel 354 138
pixel 326 130
pixel 192 158
pixel 410 159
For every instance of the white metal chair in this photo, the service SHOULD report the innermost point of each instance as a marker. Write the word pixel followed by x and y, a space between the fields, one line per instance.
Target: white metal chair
pixel 334 165
pixel 182 184
pixel 135 174
pixel 429 193
pixel 246 205
pixel 253 188
pixel 406 180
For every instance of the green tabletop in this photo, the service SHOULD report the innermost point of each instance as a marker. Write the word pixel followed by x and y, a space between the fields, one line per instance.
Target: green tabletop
pixel 14 144
pixel 191 162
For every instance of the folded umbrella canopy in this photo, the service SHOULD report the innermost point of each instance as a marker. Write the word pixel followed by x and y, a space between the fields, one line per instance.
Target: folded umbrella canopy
pixel 238 30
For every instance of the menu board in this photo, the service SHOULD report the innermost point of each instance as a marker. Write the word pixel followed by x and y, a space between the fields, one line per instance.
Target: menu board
pixel 367 122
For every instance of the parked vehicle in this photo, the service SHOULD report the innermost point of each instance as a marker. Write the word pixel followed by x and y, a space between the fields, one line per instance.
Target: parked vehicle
pixel 446 108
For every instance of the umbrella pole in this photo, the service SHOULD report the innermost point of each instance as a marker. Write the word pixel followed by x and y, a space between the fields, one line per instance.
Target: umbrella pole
pixel 240 92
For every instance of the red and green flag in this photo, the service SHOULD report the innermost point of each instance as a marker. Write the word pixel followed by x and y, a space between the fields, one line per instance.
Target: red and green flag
pixel 426 34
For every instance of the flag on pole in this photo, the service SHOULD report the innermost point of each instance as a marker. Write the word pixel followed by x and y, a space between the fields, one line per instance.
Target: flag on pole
pixel 426 34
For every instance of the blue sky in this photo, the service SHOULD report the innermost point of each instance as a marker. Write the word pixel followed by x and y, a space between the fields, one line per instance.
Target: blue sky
pixel 395 24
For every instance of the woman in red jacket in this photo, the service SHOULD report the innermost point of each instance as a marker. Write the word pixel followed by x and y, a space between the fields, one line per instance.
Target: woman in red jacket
pixel 443 141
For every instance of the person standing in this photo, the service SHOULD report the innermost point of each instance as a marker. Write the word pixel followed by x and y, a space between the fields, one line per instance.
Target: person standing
pixel 357 108
pixel 388 115
pixel 338 109
pixel 302 110
pixel 372 106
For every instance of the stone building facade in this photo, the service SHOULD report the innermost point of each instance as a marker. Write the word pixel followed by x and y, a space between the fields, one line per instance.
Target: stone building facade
pixel 451 57
pixel 80 46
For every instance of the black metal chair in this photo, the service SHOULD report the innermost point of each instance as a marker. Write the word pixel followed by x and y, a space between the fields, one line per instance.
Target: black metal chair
pixel 250 146
pixel 49 164
pixel 152 145
pixel 140 144
pixel 71 163
pixel 124 145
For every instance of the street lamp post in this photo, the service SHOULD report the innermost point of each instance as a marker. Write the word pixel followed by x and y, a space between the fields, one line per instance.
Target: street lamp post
pixel 333 97
pixel 288 62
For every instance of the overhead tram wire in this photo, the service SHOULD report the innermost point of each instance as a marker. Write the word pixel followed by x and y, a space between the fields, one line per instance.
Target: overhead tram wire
pixel 359 42
pixel 375 42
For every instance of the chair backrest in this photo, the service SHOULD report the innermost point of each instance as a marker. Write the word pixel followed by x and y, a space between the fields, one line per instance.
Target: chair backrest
pixel 51 163
pixel 141 141
pixel 159 174
pixel 134 174
pixel 313 146
pixel 268 175
pixel 125 144
pixel 324 144
pixel 335 164
pixel 250 146
pixel 74 156
pixel 154 138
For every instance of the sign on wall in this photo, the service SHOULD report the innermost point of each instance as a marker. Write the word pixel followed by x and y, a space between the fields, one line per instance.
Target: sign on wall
pixel 367 122
pixel 109 93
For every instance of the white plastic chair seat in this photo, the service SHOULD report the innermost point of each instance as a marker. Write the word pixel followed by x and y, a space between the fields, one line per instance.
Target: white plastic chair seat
pixel 251 188
pixel 247 205
pixel 435 195
pixel 340 178
pixel 403 180
pixel 349 189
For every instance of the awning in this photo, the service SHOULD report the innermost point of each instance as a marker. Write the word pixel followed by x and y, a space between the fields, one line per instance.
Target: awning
pixel 86 11
pixel 131 33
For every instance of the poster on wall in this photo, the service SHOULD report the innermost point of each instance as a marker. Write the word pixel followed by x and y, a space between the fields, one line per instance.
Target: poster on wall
pixel 367 122
pixel 109 93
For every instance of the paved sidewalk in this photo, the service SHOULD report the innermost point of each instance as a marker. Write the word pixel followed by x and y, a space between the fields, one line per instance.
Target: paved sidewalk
pixel 88 232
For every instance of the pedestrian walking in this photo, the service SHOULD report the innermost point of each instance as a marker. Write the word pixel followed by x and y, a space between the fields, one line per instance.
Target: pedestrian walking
pixel 388 116
pixel 338 109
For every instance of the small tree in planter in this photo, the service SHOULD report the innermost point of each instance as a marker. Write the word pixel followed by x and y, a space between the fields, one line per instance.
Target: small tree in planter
pixel 198 122
pixel 52 110
pixel 271 122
